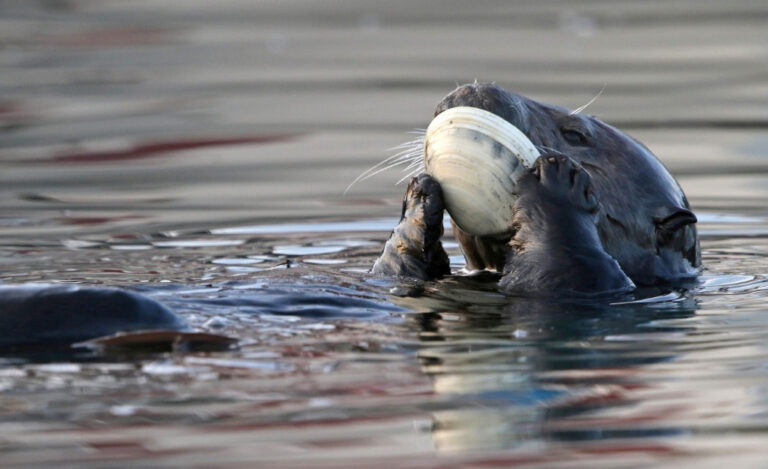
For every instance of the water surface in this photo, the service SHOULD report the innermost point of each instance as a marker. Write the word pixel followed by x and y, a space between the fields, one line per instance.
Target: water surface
pixel 198 151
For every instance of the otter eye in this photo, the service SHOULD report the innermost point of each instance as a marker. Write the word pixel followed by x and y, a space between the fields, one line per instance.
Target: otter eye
pixel 574 137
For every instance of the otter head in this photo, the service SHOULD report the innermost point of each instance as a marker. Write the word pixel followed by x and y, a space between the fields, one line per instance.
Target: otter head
pixel 644 220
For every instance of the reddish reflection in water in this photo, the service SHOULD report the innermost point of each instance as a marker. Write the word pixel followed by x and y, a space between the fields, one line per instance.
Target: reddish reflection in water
pixel 149 150
pixel 95 220
pixel 8 108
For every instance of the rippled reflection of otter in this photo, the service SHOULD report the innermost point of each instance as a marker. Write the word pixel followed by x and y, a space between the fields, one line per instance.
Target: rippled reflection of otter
pixel 597 214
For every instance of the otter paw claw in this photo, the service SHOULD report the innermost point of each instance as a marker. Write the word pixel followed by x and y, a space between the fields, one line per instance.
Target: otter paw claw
pixel 425 192
pixel 563 178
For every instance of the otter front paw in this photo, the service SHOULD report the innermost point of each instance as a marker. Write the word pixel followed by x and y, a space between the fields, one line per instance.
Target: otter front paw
pixel 414 248
pixel 556 250
pixel 561 178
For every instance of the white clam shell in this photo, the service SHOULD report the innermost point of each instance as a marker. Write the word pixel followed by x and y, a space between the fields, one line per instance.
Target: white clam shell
pixel 477 157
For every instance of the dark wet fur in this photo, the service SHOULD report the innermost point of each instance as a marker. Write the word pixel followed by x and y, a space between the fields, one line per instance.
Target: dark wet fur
pixel 640 228
pixel 52 316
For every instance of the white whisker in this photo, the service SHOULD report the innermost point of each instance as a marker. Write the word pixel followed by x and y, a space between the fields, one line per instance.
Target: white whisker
pixel 408 145
pixel 369 174
pixel 546 148
pixel 409 175
pixel 382 169
pixel 579 109
pixel 413 164
pixel 410 153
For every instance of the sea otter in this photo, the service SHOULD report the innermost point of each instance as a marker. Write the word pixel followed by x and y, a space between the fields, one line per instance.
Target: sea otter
pixel 596 214
pixel 50 317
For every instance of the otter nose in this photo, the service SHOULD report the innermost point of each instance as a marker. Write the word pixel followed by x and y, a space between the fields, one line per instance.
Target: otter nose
pixel 488 97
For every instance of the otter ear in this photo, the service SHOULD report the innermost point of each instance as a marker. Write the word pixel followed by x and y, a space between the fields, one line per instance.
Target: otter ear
pixel 668 225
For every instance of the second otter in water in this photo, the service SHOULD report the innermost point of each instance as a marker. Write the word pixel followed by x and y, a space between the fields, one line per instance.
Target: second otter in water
pixel 596 213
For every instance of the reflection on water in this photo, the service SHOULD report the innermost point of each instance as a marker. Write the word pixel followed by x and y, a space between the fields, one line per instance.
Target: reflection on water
pixel 197 152
pixel 538 371
pixel 333 367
